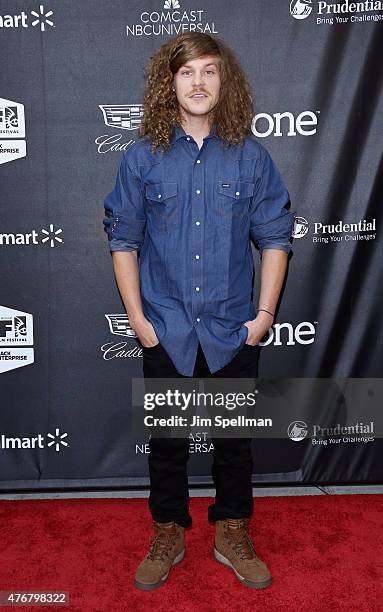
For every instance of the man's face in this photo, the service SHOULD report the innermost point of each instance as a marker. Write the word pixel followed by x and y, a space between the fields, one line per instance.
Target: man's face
pixel 197 85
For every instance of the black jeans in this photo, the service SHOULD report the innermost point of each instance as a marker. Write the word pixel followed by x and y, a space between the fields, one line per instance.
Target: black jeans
pixel 232 463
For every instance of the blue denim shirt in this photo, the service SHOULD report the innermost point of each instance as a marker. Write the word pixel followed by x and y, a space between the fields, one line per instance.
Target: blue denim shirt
pixel 190 213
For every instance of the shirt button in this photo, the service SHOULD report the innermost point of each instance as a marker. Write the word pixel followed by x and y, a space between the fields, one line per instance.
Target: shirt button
pixel 197 288
pixel 197 223
pixel 159 195
pixel 198 161
pixel 237 193
pixel 198 319
pixel 198 191
pixel 197 256
pixel 187 137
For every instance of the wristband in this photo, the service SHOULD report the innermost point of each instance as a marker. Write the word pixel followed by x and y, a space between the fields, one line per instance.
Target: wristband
pixel 268 311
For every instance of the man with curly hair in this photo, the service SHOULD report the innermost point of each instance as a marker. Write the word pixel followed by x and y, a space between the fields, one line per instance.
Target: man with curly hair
pixel 190 194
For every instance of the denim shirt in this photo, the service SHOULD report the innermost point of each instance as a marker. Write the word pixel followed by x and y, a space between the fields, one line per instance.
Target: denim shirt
pixel 191 213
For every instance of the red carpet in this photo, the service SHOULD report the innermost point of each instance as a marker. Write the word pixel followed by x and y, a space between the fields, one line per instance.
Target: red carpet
pixel 324 552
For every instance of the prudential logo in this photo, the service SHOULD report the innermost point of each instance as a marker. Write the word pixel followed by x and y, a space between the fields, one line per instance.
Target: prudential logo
pixel 297 431
pixel 300 9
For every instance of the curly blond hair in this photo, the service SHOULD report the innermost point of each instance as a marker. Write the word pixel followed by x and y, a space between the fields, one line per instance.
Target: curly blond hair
pixel 234 111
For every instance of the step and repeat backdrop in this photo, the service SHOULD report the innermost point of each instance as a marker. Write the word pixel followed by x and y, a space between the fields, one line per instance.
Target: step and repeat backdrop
pixel 72 76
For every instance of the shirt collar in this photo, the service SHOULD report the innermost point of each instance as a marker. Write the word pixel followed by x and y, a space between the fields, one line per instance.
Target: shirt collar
pixel 179 132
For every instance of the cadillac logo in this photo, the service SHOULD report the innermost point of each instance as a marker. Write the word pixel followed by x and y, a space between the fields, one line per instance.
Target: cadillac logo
pixel 119 325
pixel 124 116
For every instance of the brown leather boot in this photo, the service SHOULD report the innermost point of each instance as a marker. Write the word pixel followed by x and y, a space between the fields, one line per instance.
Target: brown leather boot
pixel 234 548
pixel 166 549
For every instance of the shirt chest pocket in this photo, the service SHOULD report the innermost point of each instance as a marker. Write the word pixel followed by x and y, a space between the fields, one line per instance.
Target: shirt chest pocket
pixel 162 205
pixel 234 198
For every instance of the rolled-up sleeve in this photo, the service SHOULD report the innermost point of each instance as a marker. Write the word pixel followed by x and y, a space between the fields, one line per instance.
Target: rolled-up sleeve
pixel 125 219
pixel 271 221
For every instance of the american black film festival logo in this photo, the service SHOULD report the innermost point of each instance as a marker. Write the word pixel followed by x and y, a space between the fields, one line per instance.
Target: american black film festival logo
pixel 12 131
pixel 16 339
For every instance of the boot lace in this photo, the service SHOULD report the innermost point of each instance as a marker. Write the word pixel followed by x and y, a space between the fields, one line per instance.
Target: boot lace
pixel 160 545
pixel 236 530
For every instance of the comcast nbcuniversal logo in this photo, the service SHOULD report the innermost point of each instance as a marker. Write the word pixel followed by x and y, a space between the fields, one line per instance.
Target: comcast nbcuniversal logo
pixel 300 9
pixel 168 18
